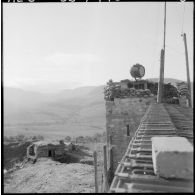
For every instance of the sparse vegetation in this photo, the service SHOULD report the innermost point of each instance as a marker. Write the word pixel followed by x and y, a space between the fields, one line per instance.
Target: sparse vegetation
pixel 15 146
pixel 68 138
pixel 15 149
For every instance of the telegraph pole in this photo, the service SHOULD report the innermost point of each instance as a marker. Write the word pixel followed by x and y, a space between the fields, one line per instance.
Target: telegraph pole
pixel 187 68
pixel 162 62
pixel 160 83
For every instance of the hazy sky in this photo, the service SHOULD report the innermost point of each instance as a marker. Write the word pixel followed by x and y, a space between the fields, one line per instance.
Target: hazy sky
pixel 65 45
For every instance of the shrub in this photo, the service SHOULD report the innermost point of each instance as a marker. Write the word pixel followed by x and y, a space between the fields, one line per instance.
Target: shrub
pixel 20 137
pixel 40 137
pixel 68 138
pixel 80 139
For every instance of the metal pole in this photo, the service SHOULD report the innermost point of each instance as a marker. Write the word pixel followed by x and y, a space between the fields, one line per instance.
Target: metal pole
pixel 95 168
pixel 187 68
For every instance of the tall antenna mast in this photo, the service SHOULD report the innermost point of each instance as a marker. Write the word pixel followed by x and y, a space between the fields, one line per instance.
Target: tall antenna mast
pixel 162 61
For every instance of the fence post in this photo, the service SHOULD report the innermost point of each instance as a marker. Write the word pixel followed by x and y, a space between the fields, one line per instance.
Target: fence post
pixel 95 168
pixel 102 182
pixel 110 161
pixel 105 170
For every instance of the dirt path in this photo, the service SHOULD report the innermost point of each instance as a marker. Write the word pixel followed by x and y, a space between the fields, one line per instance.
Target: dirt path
pixel 47 176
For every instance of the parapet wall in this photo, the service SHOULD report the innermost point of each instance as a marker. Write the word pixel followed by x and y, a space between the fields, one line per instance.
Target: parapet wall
pixel 123 117
pixel 124 90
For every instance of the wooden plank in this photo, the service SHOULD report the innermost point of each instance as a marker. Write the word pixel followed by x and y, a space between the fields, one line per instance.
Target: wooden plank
pixel 146 145
pixel 137 187
pixel 142 171
pixel 156 129
pixel 140 157
pixel 152 179
pixel 137 165
pixel 141 150
pixel 156 133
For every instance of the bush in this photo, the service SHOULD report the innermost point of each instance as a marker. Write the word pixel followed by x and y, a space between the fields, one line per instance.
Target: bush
pixel 80 139
pixel 6 139
pixel 20 137
pixel 40 137
pixel 88 139
pixel 37 138
pixel 68 138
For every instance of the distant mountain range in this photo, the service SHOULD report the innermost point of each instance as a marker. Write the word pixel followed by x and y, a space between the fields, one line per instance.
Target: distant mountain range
pixel 79 110
pixel 71 112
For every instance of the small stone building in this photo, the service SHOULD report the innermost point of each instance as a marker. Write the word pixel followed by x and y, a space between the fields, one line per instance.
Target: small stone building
pixel 46 149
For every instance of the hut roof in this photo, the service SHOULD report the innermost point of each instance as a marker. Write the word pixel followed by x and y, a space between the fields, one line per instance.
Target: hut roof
pixel 46 142
pixel 68 143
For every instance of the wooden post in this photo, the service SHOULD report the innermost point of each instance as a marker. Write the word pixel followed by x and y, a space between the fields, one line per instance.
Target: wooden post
pixel 102 183
pixel 109 147
pixel 187 68
pixel 105 170
pixel 95 168
pixel 160 83
pixel 110 161
pixel 145 85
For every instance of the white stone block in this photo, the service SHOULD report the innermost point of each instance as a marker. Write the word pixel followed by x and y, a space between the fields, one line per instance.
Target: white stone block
pixel 172 157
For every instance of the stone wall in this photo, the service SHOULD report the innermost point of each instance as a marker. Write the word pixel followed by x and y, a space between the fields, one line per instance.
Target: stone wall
pixel 42 151
pixel 121 115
